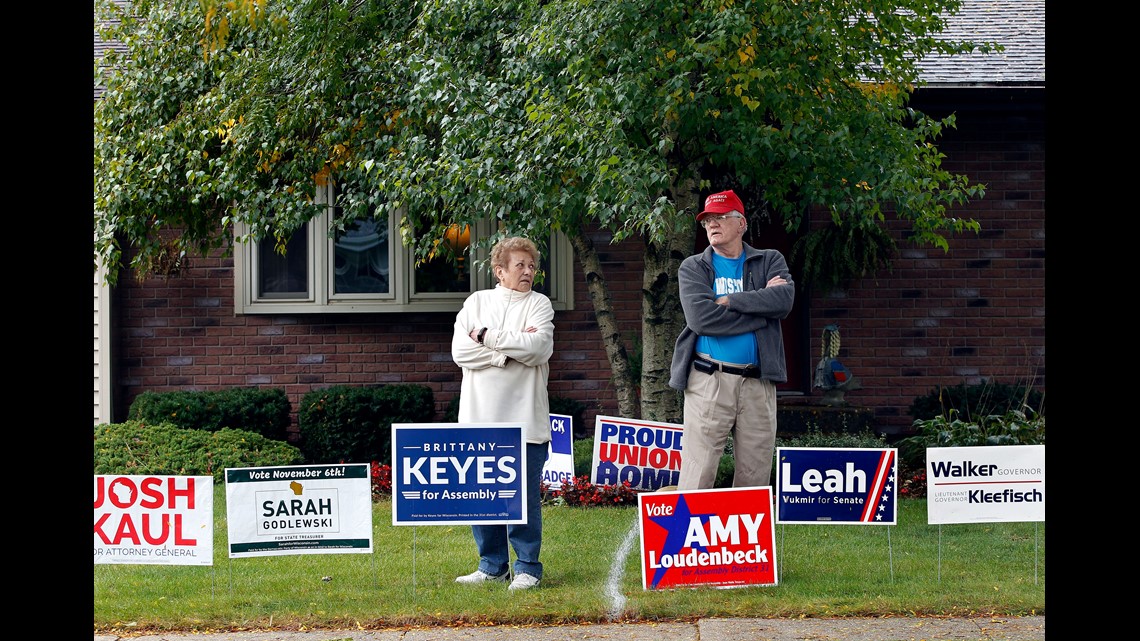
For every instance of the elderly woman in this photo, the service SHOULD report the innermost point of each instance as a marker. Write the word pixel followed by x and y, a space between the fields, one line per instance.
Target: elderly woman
pixel 503 339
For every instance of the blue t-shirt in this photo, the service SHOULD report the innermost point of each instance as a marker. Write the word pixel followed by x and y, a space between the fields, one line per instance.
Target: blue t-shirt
pixel 739 348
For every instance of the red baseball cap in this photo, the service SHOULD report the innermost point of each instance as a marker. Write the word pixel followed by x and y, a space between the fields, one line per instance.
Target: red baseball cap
pixel 721 202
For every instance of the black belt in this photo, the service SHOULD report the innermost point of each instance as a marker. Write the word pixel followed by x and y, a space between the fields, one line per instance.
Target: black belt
pixel 748 372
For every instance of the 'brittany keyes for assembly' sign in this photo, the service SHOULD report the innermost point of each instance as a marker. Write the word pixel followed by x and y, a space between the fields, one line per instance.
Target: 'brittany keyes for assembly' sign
pixel 454 474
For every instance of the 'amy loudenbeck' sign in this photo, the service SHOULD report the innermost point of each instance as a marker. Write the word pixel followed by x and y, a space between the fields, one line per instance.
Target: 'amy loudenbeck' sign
pixel 458 474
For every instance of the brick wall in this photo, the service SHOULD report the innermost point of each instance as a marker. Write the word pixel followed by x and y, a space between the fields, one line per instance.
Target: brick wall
pixel 973 314
pixel 182 334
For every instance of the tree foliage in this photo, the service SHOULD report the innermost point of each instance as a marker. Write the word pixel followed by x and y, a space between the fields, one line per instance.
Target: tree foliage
pixel 540 114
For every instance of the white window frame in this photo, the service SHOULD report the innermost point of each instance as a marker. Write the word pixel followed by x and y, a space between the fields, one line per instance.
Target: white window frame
pixel 401 296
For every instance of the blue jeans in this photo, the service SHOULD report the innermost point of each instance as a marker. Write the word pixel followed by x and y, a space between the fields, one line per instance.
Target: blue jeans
pixel 526 538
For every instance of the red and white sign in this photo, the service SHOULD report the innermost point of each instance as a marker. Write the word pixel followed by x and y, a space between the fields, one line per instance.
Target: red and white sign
pixel 720 538
pixel 154 520
pixel 645 454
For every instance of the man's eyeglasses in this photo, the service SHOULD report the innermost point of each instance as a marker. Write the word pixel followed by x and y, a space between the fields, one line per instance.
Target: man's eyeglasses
pixel 719 219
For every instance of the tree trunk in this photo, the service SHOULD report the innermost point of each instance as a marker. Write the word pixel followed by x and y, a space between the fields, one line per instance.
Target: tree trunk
pixel 624 385
pixel 663 318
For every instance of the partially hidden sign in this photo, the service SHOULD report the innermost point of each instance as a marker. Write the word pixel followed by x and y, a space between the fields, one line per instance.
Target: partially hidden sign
pixel 559 466
pixel 645 454
pixel 719 538
pixel 154 519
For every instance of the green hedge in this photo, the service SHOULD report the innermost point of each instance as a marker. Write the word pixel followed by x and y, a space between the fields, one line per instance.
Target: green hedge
pixel 1015 427
pixel 263 411
pixel 347 424
pixel 138 447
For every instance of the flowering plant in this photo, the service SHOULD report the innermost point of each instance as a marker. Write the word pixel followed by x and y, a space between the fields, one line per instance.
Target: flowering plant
pixel 381 481
pixel 912 484
pixel 580 492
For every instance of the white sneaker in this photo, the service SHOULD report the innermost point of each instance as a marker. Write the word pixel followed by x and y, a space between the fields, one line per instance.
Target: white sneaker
pixel 479 576
pixel 523 582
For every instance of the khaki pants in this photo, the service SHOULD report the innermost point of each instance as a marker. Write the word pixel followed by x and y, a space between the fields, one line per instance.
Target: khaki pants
pixel 719 404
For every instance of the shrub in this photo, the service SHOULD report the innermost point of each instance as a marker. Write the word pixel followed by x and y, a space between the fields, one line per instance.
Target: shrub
pixel 817 438
pixel 1014 427
pixel 452 413
pixel 583 456
pixel 137 447
pixel 912 482
pixel 346 424
pixel 573 409
pixel 973 401
pixel 264 411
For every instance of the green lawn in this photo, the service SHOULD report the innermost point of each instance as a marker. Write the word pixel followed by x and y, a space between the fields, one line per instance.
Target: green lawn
pixel 824 570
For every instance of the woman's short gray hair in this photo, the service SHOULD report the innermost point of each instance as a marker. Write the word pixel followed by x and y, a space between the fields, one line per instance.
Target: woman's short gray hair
pixel 501 252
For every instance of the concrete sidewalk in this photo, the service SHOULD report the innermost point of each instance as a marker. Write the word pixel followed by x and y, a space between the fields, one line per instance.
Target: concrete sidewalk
pixel 843 629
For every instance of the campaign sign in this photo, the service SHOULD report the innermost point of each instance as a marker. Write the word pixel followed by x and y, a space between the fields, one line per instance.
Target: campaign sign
pixel 644 453
pixel 154 520
pixel 721 538
pixel 836 485
pixel 299 509
pixel 985 484
pixel 559 466
pixel 457 474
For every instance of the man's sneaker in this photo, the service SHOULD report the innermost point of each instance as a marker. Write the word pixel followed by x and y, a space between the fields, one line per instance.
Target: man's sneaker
pixel 479 576
pixel 523 582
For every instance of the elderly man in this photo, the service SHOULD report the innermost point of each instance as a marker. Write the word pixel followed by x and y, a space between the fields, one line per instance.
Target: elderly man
pixel 730 356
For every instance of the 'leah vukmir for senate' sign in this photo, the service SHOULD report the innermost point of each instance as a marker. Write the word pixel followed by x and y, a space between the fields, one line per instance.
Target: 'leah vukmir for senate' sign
pixel 837 485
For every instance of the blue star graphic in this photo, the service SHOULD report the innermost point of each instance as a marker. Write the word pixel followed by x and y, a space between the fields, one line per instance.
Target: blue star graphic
pixel 677 526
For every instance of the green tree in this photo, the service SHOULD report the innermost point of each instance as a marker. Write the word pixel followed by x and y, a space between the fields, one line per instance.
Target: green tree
pixel 542 114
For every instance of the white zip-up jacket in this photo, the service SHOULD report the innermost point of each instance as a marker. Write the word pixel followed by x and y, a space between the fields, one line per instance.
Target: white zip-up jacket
pixel 505 378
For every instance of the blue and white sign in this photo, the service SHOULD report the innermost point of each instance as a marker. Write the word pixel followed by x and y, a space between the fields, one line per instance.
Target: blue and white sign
pixel 458 474
pixel 844 486
pixel 559 466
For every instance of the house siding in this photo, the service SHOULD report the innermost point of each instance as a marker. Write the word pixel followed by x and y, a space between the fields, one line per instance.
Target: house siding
pixel 103 384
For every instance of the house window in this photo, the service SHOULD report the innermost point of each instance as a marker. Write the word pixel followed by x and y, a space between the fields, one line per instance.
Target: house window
pixel 366 269
pixel 362 257
pixel 284 276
